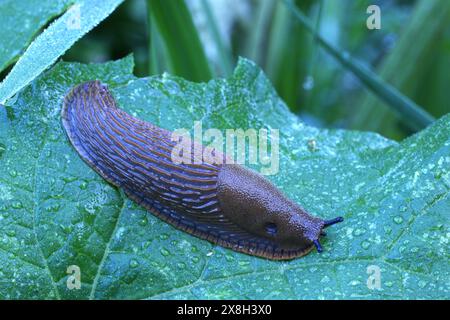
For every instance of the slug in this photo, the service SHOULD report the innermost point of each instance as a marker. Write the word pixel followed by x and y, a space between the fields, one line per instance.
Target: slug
pixel 226 204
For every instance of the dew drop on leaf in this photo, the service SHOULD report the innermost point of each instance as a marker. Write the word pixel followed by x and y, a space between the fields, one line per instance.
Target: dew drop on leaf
pixel 134 263
pixel 359 231
pixel 365 245
pixel 17 205
pixel 422 284
pixel 195 259
pixel 164 236
pixel 398 220
pixel 11 233
pixel 143 222
pixel 165 252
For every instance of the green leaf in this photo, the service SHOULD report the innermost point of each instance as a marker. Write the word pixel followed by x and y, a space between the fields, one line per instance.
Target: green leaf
pixel 184 49
pixel 54 41
pixel 56 212
pixel 31 16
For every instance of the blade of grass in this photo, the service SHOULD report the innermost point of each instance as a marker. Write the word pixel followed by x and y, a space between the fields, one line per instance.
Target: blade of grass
pixel 277 38
pixel 154 43
pixel 174 22
pixel 264 13
pixel 286 60
pixel 311 68
pixel 401 68
pixel 53 42
pixel 409 112
pixel 226 60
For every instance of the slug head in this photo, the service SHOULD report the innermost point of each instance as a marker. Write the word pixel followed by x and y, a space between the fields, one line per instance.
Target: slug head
pixel 257 206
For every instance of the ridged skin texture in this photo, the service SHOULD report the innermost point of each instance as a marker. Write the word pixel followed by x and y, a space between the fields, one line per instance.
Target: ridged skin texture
pixel 226 204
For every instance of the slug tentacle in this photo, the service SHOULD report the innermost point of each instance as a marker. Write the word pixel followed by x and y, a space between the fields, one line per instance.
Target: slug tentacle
pixel 330 222
pixel 226 204
pixel 318 246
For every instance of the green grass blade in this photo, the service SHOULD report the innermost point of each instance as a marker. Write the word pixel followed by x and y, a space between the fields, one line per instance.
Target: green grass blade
pixel 278 38
pixel 401 69
pixel 409 112
pixel 154 43
pixel 226 60
pixel 263 15
pixel 286 60
pixel 53 42
pixel 174 22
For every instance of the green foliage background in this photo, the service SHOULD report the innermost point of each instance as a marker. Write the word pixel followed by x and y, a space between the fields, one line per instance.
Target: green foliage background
pixel 56 212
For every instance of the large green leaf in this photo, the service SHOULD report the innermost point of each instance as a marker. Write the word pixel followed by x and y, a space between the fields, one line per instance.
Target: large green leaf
pixel 20 21
pixel 55 211
pixel 53 42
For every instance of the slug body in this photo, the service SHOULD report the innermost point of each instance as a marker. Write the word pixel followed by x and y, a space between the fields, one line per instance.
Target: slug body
pixel 225 204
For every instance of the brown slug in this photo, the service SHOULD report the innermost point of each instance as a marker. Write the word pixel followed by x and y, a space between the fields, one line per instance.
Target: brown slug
pixel 225 204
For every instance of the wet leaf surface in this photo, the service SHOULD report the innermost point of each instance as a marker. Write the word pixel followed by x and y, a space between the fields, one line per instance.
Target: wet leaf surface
pixel 56 212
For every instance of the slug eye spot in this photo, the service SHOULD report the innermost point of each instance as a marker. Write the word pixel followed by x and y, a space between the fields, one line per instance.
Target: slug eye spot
pixel 271 228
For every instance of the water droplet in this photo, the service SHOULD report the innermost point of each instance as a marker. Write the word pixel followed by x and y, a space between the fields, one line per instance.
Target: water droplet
pixel 66 229
pixel 229 258
pixel 359 231
pixel 355 283
pixel 13 173
pixel 11 233
pixel 244 263
pixel 422 284
pixel 83 185
pixel 146 244
pixel 387 230
pixel 17 205
pixel 54 207
pixel 415 249
pixel 308 84
pixel 143 222
pixel 365 244
pixel 181 265
pixel 69 179
pixel 164 236
pixel 134 263
pixel 313 269
pixel 195 259
pixel 165 252
pixel 437 175
pixel 398 219
pixel 312 145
